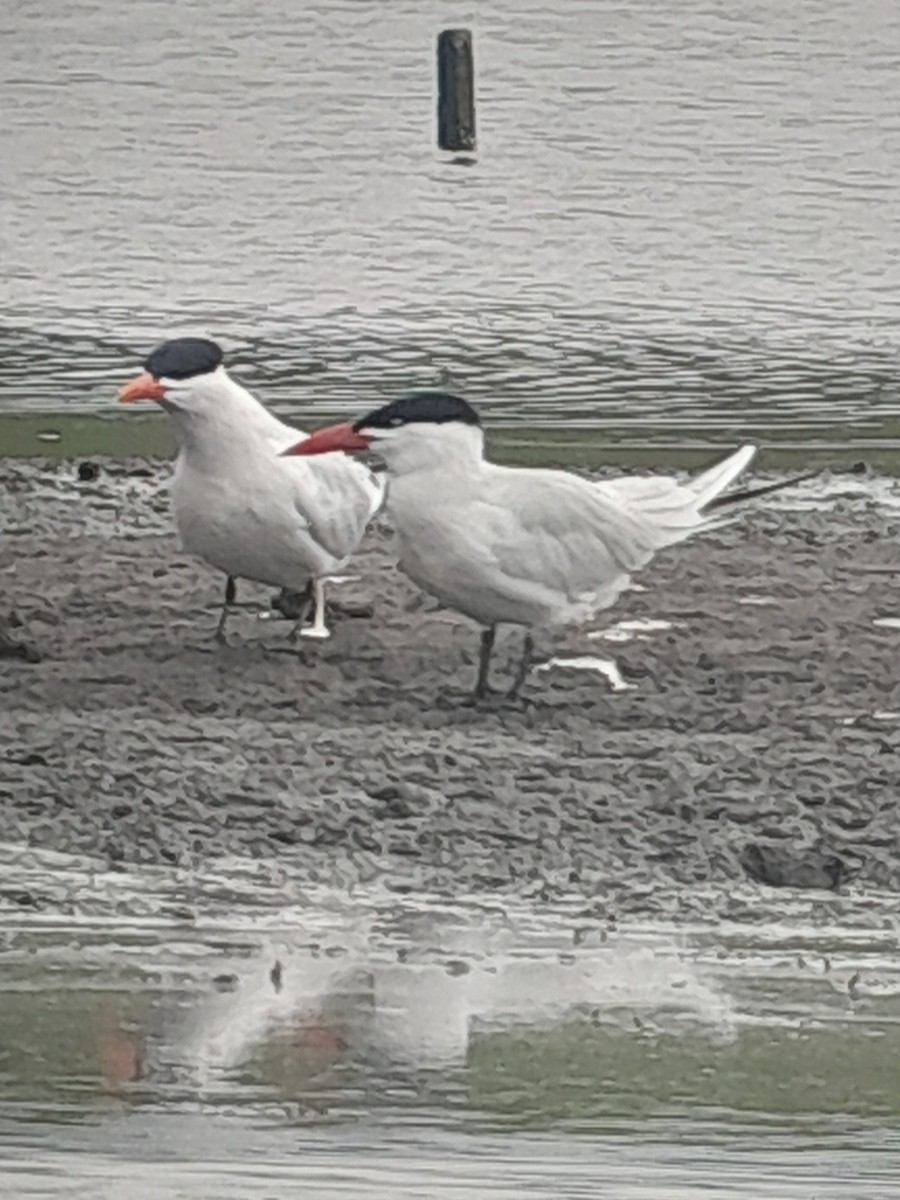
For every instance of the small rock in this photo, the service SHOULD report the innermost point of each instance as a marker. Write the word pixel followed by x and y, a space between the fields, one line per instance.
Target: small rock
pixel 20 897
pixel 778 866
pixel 29 760
pixel 291 604
pixel 287 834
pixel 10 648
pixel 88 472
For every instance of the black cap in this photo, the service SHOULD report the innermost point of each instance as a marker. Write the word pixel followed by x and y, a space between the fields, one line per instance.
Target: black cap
pixel 434 407
pixel 182 358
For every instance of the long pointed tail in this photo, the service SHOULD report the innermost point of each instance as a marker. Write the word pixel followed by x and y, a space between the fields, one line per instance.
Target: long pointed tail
pixel 764 489
pixel 675 509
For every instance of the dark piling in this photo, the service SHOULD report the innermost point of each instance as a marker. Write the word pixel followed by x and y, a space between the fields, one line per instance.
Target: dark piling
pixel 456 91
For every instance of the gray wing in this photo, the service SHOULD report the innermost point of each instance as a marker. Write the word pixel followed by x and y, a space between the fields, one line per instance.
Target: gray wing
pixel 336 497
pixel 552 529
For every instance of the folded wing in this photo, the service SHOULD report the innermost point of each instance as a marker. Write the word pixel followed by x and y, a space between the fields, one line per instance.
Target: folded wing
pixel 565 540
pixel 556 535
pixel 336 498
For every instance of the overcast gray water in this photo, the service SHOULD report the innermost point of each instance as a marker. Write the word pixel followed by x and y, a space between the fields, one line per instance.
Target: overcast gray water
pixel 682 217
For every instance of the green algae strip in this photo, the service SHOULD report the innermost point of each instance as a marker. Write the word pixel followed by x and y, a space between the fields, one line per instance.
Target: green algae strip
pixel 82 435
pixel 85 435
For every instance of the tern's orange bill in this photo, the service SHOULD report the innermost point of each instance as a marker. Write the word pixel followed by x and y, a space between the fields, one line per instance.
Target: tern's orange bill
pixel 142 387
pixel 332 437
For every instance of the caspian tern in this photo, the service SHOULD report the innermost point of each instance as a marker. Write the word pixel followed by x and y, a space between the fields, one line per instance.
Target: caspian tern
pixel 239 505
pixel 512 545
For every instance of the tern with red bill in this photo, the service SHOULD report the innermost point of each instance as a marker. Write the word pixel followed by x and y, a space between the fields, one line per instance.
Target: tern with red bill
pixel 513 545
pixel 238 504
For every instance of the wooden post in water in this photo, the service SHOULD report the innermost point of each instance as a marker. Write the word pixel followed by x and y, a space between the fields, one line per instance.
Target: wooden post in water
pixel 456 90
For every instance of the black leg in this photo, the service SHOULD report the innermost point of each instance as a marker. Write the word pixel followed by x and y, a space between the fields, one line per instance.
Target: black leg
pixel 230 593
pixel 484 659
pixel 524 666
pixel 303 603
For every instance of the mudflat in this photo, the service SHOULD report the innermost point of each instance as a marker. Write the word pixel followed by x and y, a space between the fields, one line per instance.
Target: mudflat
pixel 758 731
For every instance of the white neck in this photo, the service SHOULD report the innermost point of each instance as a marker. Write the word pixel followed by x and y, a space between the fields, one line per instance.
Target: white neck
pixel 212 413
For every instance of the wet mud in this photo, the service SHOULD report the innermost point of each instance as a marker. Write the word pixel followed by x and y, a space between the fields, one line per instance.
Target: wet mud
pixel 754 734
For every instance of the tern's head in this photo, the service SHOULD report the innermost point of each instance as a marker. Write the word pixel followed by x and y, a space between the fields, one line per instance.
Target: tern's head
pixel 425 429
pixel 184 375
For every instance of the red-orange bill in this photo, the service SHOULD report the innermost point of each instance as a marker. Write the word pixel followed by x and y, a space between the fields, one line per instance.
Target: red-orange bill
pixel 142 387
pixel 332 437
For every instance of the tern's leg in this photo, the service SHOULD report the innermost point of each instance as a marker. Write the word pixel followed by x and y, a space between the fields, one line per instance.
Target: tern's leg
pixel 230 593
pixel 524 666
pixel 484 659
pixel 318 629
pixel 303 602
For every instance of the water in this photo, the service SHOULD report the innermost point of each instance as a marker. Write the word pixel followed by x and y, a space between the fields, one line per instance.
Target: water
pixel 681 224
pixel 204 1033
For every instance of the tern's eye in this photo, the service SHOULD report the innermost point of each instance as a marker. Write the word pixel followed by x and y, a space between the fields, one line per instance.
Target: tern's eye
pixel 395 421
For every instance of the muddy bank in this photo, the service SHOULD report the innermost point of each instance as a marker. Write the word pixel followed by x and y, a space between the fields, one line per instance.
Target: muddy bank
pixel 760 727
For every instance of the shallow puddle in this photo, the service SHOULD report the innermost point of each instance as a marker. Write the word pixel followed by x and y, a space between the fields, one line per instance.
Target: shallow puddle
pixel 199 1034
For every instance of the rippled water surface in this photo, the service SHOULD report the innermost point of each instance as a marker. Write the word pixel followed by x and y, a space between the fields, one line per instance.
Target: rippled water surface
pixel 681 220
pixel 233 1029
